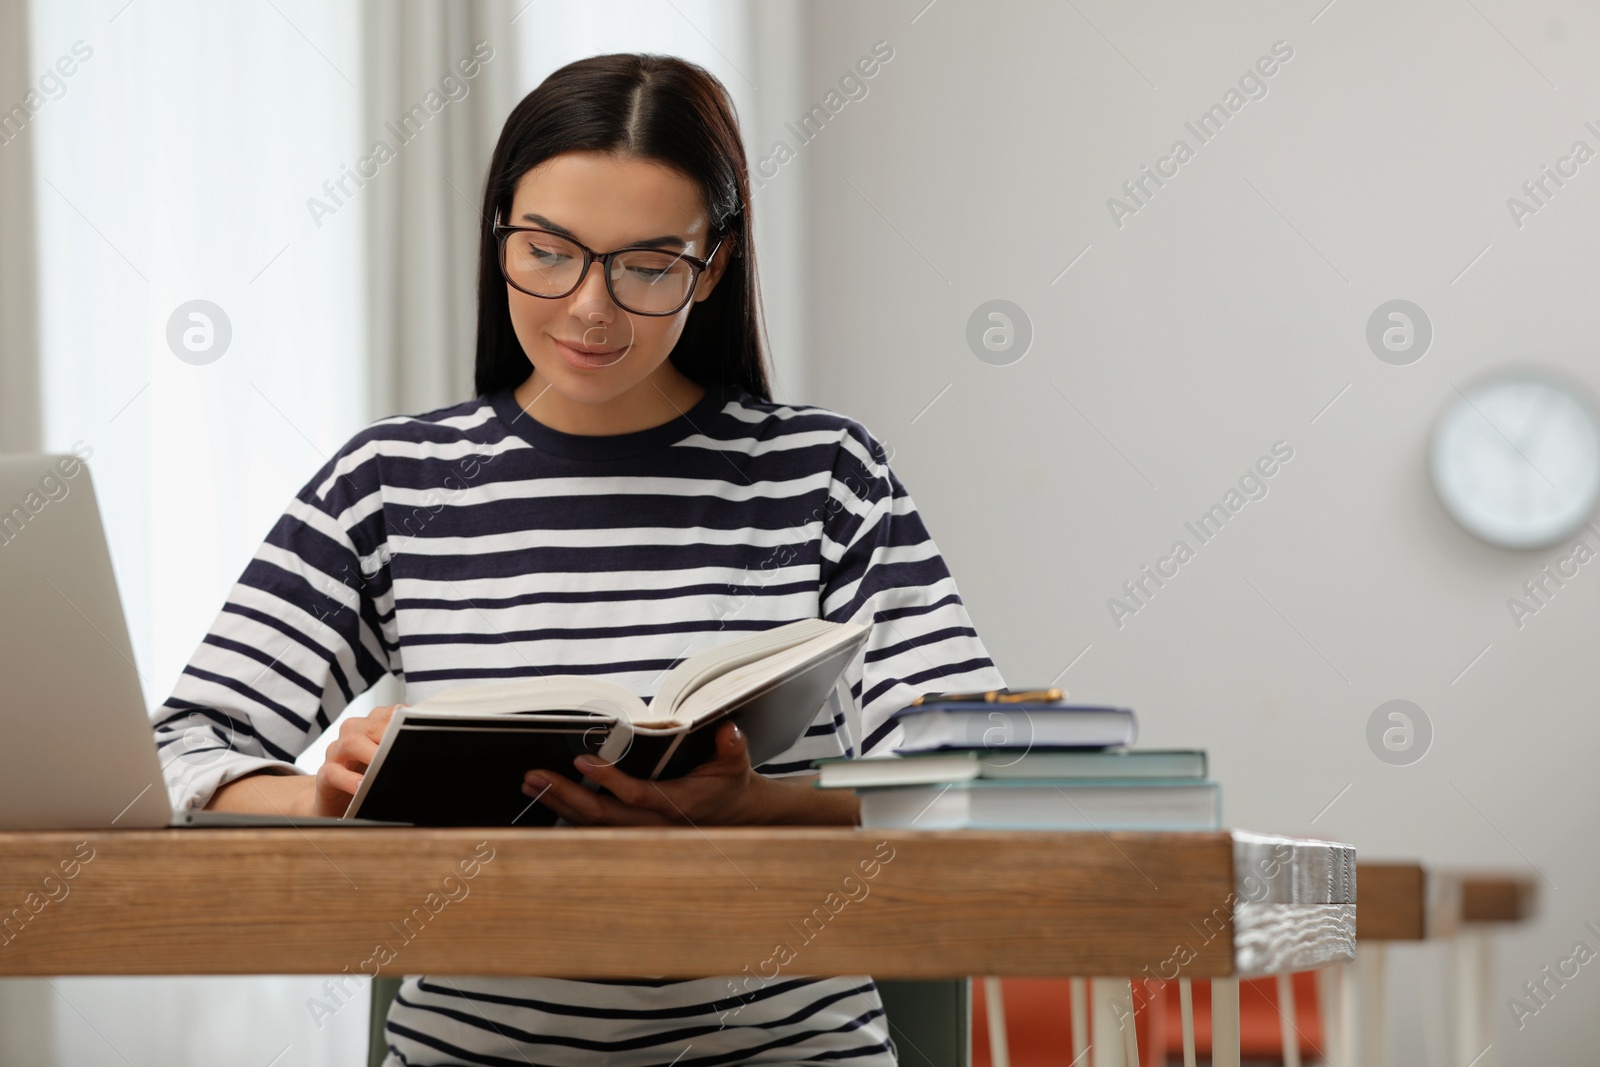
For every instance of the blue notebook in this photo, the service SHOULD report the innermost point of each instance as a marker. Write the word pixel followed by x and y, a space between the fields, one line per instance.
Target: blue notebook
pixel 981 725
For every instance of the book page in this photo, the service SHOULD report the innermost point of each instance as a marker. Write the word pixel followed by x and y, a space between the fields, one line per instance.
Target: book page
pixel 521 696
pixel 704 667
pixel 732 686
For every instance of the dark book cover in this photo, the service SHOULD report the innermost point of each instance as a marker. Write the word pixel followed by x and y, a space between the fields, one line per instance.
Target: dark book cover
pixel 446 772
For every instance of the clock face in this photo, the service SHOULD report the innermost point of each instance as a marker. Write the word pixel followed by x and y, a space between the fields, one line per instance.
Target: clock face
pixel 1516 460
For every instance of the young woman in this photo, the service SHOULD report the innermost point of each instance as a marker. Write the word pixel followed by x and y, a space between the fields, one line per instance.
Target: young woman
pixel 621 492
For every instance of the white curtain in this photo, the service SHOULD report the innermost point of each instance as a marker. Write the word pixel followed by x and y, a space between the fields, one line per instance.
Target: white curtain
pixel 459 59
pixel 203 151
pixel 19 354
pixel 175 164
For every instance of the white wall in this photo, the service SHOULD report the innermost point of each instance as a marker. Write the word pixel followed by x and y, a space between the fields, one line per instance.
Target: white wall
pixel 1221 318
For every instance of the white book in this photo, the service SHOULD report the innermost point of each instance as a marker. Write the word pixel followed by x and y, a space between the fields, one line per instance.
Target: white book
pixel 962 765
pixel 1033 804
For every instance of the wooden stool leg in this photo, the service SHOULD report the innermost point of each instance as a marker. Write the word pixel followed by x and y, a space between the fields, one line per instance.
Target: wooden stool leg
pixel 1078 995
pixel 1224 1022
pixel 1186 1012
pixel 999 1048
pixel 1369 977
pixel 1105 997
pixel 1289 1028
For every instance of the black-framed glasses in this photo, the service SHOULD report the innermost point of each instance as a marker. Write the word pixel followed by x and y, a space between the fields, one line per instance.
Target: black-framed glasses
pixel 645 281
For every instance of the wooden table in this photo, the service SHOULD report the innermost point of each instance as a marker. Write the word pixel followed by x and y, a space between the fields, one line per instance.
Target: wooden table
pixel 1408 902
pixel 1396 899
pixel 589 903
pixel 1497 896
pixel 1400 901
pixel 1488 899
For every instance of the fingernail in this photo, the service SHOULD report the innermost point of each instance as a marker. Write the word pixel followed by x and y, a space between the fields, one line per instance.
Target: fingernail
pixel 585 764
pixel 535 779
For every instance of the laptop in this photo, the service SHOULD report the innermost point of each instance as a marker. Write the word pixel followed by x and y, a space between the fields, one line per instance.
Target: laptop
pixel 77 748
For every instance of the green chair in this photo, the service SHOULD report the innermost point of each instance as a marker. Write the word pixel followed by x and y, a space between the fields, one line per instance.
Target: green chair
pixel 930 1022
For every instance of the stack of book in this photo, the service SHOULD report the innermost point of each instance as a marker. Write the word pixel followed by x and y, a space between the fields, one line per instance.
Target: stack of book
pixel 1026 761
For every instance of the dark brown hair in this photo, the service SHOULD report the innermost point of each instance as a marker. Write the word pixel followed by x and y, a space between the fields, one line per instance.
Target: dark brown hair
pixel 653 107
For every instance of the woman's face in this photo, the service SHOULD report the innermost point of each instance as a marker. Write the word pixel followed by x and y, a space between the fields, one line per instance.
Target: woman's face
pixel 608 201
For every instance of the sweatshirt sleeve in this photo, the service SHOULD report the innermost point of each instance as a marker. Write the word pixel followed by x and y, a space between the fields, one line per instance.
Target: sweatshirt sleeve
pixel 306 629
pixel 880 567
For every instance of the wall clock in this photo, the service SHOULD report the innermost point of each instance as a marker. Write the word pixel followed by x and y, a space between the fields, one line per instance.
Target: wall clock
pixel 1515 459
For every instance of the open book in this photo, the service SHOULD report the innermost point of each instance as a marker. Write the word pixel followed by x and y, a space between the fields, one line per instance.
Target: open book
pixel 458 758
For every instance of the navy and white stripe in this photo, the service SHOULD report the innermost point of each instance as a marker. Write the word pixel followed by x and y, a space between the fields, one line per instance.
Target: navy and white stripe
pixel 475 543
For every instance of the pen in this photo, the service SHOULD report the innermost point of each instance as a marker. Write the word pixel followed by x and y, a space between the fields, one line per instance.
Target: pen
pixel 993 696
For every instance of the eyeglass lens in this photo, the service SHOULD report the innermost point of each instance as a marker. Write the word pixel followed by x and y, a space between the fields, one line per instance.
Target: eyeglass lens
pixel 642 280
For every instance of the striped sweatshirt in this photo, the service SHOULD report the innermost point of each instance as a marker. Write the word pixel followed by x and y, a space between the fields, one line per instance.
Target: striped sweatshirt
pixel 475 543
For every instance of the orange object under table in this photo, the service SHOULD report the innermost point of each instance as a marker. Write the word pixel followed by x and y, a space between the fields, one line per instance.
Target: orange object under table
pixel 1039 1020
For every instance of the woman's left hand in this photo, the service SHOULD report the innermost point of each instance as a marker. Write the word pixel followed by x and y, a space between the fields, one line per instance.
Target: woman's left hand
pixel 724 789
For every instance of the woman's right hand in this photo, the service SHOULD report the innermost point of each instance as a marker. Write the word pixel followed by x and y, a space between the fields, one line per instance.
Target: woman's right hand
pixel 346 761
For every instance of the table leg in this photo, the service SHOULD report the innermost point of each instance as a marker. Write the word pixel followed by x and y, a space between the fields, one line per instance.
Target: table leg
pixel 999 1048
pixel 1437 996
pixel 1130 1032
pixel 1288 1024
pixel 1485 996
pixel 1350 1008
pixel 1106 997
pixel 1369 979
pixel 1078 995
pixel 1225 1022
pixel 1186 1012
pixel 1471 1008
pixel 1330 1013
pixel 1155 1054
